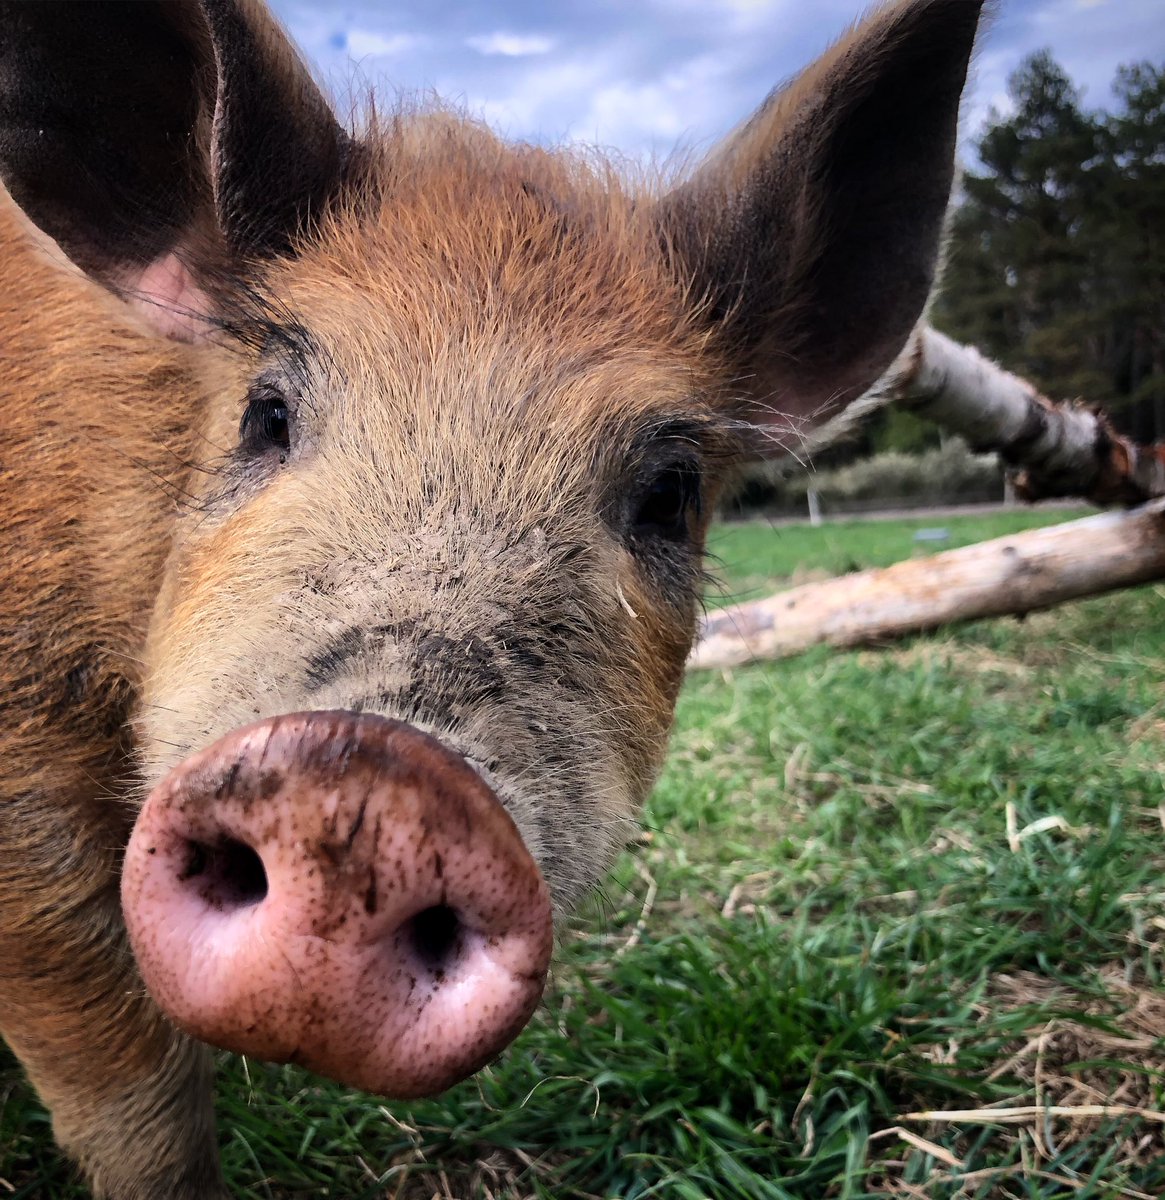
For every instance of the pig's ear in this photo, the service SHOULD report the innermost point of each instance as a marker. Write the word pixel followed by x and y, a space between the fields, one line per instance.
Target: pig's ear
pixel 811 236
pixel 157 142
pixel 278 153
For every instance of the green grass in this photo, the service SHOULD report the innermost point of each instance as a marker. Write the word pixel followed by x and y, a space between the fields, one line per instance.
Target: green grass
pixel 872 884
pixel 751 558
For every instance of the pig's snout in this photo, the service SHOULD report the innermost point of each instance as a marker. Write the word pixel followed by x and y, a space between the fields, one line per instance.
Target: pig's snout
pixel 341 891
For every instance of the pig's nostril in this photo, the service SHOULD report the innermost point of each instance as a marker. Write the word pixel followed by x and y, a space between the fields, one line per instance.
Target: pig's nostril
pixel 436 937
pixel 227 873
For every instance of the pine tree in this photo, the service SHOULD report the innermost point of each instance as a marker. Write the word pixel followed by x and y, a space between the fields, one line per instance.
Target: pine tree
pixel 1057 260
pixel 1135 230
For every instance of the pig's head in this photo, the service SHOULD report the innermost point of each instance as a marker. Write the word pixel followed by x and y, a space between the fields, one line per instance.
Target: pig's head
pixel 463 411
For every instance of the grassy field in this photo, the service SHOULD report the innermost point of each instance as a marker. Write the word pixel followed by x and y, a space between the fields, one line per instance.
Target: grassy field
pixel 872 885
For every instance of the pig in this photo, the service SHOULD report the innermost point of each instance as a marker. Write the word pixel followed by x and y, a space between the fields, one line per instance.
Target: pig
pixel 354 491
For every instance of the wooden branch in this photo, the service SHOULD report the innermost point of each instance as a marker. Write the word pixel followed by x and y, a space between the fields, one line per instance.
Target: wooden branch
pixel 1037 569
pixel 1056 449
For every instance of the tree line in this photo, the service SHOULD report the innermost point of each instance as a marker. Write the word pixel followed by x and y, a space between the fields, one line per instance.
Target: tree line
pixel 1056 264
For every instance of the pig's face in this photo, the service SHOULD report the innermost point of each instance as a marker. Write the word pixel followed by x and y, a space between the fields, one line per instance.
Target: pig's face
pixel 457 414
pixel 465 475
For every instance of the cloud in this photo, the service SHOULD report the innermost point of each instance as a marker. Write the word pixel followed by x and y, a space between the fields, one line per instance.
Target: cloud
pixel 637 76
pixel 531 107
pixel 511 45
pixel 659 111
pixel 364 43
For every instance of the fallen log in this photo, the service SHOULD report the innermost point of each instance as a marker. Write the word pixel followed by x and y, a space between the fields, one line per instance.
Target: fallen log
pixel 1023 573
pixel 1054 449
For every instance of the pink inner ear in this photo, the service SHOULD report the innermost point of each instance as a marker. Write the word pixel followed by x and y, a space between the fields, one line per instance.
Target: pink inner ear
pixel 166 294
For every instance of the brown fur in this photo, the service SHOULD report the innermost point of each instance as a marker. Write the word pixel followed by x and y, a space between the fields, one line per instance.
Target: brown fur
pixel 487 351
pixel 90 463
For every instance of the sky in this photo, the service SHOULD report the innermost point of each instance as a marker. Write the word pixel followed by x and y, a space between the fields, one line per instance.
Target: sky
pixel 648 77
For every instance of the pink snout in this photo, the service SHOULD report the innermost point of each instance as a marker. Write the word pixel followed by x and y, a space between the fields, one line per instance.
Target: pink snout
pixel 340 891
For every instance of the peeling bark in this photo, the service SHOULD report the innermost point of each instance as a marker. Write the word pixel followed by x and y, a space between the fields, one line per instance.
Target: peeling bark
pixel 1053 449
pixel 1024 573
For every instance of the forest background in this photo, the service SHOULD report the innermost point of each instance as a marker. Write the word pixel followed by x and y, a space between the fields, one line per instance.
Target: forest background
pixel 1055 268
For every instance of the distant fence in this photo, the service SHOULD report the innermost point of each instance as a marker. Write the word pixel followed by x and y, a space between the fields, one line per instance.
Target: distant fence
pixel 939 478
pixel 800 508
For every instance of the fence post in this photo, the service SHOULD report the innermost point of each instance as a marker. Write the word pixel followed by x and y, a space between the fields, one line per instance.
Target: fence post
pixel 814 507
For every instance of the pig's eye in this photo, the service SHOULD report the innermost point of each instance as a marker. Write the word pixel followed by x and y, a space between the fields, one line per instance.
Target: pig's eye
pixel 266 423
pixel 667 504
